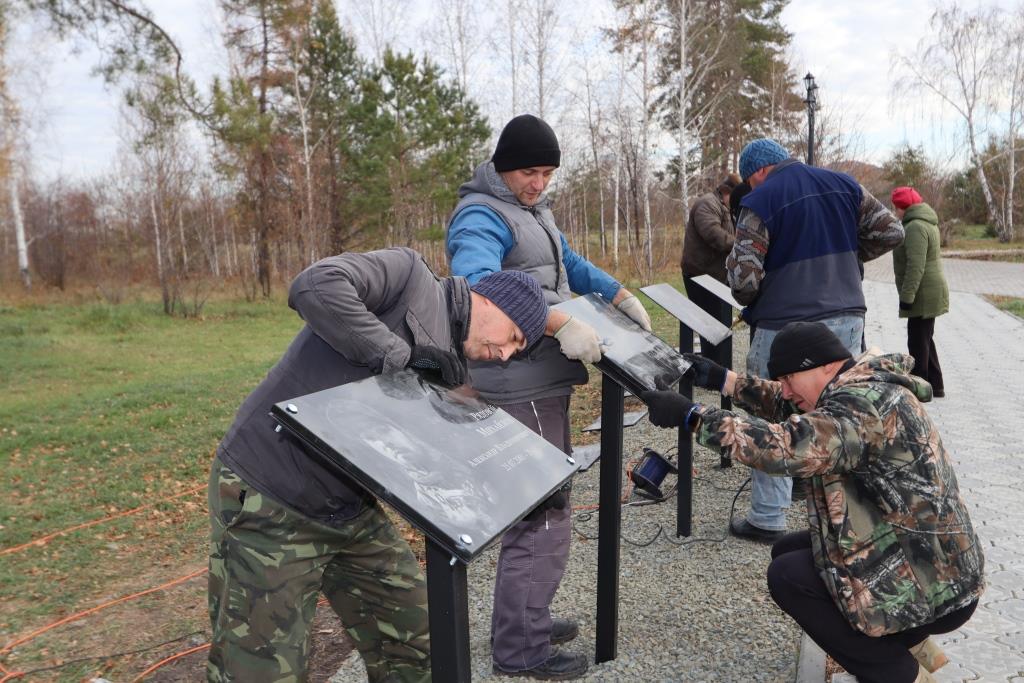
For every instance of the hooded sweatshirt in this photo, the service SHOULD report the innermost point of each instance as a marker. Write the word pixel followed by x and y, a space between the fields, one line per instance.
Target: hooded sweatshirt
pixel 891 536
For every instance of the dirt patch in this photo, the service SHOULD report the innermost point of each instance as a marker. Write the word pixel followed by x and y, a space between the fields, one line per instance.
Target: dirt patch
pixel 330 646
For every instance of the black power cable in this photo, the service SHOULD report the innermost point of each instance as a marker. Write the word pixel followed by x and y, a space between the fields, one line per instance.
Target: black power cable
pixel 112 655
pixel 583 517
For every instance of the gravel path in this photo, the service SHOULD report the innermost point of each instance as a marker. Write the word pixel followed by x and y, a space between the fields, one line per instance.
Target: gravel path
pixel 695 612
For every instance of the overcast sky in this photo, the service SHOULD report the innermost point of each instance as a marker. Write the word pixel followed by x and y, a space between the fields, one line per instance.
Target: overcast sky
pixel 847 46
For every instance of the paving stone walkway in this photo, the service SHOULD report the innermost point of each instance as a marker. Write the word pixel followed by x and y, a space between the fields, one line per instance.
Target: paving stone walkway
pixel 982 424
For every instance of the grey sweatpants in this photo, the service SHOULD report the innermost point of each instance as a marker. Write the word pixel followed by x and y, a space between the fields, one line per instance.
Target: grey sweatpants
pixel 533 557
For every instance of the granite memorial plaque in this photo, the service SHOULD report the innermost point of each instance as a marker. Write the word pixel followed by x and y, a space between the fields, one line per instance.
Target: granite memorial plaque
pixel 633 357
pixel 687 312
pixel 719 289
pixel 459 469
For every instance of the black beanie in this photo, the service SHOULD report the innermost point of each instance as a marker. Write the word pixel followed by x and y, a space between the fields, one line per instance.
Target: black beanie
pixel 524 142
pixel 802 346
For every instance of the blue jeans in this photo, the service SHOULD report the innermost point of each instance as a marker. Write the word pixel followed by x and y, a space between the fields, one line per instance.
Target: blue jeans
pixel 770 496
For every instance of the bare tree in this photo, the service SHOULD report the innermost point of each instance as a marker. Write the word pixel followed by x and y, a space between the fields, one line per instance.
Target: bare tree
pixel 694 71
pixel 961 64
pixel 637 35
pixel 10 124
pixel 455 31
pixel 382 22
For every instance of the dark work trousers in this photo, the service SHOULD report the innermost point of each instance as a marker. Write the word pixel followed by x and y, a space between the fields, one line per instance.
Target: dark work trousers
pixel 720 311
pixel 533 556
pixel 921 345
pixel 797 588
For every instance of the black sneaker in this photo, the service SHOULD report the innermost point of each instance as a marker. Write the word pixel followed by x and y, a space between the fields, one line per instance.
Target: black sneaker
pixel 559 666
pixel 745 529
pixel 563 630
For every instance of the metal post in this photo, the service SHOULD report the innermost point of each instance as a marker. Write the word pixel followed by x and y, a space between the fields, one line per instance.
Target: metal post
pixel 684 479
pixel 812 104
pixel 447 598
pixel 610 520
pixel 724 460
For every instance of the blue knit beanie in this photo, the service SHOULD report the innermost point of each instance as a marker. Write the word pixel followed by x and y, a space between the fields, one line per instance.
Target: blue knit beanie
pixel 519 296
pixel 760 153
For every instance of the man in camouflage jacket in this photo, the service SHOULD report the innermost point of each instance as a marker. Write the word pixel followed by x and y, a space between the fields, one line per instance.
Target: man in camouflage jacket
pixel 890 556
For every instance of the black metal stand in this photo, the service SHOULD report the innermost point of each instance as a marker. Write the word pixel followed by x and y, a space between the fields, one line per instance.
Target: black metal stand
pixel 684 478
pixel 447 596
pixel 610 521
pixel 726 404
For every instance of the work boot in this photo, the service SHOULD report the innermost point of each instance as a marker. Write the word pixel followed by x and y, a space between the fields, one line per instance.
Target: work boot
pixel 559 666
pixel 929 655
pixel 745 529
pixel 924 676
pixel 564 630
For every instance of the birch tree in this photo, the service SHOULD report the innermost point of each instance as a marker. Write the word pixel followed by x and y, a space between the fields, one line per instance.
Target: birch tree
pixel 10 170
pixel 960 63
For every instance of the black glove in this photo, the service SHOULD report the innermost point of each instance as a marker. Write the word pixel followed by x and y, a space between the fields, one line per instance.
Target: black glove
pixel 446 363
pixel 904 306
pixel 706 373
pixel 556 501
pixel 669 408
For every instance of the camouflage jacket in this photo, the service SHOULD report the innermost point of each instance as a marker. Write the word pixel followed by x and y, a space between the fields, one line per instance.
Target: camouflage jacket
pixel 891 536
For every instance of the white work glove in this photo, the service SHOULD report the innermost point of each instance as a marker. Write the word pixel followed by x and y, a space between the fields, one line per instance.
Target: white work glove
pixel 632 307
pixel 579 341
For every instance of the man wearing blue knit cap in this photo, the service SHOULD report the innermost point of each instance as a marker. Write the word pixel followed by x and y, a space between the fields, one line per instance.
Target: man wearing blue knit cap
pixel 800 233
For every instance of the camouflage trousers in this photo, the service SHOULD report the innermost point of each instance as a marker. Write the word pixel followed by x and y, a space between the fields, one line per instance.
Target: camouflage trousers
pixel 268 564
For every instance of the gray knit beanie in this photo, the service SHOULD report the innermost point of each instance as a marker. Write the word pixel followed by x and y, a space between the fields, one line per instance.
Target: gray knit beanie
pixel 520 297
pixel 760 153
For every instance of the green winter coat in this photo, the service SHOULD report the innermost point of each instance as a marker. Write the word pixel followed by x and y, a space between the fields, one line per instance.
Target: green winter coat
pixel 891 536
pixel 918 266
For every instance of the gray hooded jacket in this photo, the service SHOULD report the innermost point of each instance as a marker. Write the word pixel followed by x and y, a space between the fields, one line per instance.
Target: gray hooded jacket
pixel 363 314
pixel 543 371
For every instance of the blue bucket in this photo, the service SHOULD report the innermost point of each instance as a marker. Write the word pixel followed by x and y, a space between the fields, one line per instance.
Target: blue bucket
pixel 650 472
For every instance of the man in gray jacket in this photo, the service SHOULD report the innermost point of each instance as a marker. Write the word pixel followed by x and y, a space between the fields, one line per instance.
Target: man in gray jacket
pixel 503 221
pixel 284 527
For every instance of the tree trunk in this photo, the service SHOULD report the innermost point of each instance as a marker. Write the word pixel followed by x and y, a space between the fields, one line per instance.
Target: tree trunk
pixel 615 216
pixel 19 226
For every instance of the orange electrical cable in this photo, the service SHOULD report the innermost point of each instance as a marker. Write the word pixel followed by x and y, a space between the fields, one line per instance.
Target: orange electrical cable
pixel 322 601
pixel 43 539
pixel 78 615
pixel 9 675
pixel 168 660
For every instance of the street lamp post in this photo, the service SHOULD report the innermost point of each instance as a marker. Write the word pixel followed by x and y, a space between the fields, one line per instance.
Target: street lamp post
pixel 812 105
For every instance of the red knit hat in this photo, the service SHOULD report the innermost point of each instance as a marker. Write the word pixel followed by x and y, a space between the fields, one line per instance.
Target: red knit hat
pixel 902 197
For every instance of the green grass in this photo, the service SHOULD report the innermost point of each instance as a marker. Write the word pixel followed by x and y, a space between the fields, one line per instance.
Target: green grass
pixel 107 408
pixel 104 409
pixel 975 237
pixel 1009 304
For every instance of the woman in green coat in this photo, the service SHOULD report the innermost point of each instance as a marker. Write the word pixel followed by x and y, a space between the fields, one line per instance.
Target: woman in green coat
pixel 924 295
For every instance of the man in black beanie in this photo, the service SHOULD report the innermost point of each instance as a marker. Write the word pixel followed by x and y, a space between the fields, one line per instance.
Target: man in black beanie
pixel 890 556
pixel 504 221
